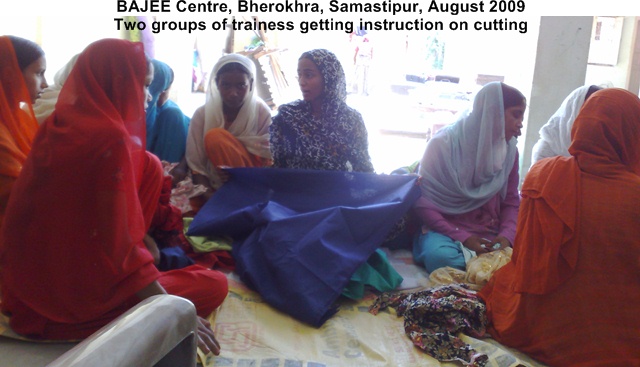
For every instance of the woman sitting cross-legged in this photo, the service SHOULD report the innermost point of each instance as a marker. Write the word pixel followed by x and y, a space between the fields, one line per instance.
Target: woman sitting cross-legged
pixel 469 181
pixel 231 129
pixel 72 248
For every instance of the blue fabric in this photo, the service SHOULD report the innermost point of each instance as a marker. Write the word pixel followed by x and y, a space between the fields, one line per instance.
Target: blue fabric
pixel 434 250
pixel 173 258
pixel 299 235
pixel 168 139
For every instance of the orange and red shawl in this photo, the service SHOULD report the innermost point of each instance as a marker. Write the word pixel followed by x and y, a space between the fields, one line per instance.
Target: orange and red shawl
pixel 73 233
pixel 570 295
pixel 18 125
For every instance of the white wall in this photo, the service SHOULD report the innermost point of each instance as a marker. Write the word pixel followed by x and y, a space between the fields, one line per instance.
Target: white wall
pixel 60 37
pixel 616 74
pixel 560 67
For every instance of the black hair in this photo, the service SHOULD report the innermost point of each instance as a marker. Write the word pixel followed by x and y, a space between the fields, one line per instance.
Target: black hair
pixel 592 89
pixel 233 66
pixel 26 51
pixel 511 96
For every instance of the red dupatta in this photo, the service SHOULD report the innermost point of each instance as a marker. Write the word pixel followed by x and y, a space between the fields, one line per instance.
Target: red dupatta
pixel 73 234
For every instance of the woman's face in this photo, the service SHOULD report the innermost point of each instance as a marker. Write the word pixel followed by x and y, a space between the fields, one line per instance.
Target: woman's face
pixel 310 80
pixel 233 86
pixel 34 78
pixel 147 82
pixel 513 117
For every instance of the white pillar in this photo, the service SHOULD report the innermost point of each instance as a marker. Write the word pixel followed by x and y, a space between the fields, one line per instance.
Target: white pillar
pixel 560 67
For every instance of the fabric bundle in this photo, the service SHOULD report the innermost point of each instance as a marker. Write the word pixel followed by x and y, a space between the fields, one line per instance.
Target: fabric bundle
pixel 433 317
pixel 301 234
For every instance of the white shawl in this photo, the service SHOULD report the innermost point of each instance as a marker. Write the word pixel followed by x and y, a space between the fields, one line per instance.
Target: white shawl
pixel 469 162
pixel 555 135
pixel 45 105
pixel 251 126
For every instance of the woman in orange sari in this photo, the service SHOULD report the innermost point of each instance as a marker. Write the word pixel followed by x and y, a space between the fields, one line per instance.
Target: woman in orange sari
pixel 73 247
pixel 22 67
pixel 570 295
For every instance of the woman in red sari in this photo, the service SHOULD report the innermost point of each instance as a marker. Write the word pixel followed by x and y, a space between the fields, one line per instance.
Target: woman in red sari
pixel 73 247
pixel 22 66
pixel 570 295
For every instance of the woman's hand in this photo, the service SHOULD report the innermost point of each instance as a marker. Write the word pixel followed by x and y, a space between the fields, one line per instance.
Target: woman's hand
pixel 222 173
pixel 478 244
pixel 503 241
pixel 199 179
pixel 177 175
pixel 206 340
pixel 179 172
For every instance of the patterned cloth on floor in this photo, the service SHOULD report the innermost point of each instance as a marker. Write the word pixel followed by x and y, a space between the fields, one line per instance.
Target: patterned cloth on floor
pixel 433 317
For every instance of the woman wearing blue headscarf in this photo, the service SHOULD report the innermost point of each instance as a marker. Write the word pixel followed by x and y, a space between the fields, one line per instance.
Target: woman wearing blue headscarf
pixel 167 126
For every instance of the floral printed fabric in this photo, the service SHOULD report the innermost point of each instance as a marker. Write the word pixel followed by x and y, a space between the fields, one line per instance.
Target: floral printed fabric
pixel 432 318
pixel 336 141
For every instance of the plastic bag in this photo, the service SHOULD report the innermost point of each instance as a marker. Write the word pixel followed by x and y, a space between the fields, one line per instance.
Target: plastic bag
pixel 449 275
pixel 481 268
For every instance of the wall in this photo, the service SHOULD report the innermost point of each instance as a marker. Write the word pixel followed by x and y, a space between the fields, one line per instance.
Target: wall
pixel 617 74
pixel 546 63
pixel 560 67
pixel 60 37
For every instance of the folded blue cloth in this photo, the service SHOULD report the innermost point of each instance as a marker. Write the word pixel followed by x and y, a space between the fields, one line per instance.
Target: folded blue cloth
pixel 299 235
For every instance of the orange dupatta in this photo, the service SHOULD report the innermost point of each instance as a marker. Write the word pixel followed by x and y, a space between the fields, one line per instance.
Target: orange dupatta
pixel 569 296
pixel 18 125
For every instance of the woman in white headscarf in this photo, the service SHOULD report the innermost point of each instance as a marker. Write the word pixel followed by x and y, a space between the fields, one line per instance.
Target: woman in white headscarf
pixel 469 181
pixel 232 128
pixel 555 135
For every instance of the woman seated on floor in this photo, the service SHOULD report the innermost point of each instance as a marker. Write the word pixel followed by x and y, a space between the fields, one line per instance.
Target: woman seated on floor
pixel 167 126
pixel 22 67
pixel 569 296
pixel 164 240
pixel 469 181
pixel 555 135
pixel 231 129
pixel 320 131
pixel 72 247
pixel 308 231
